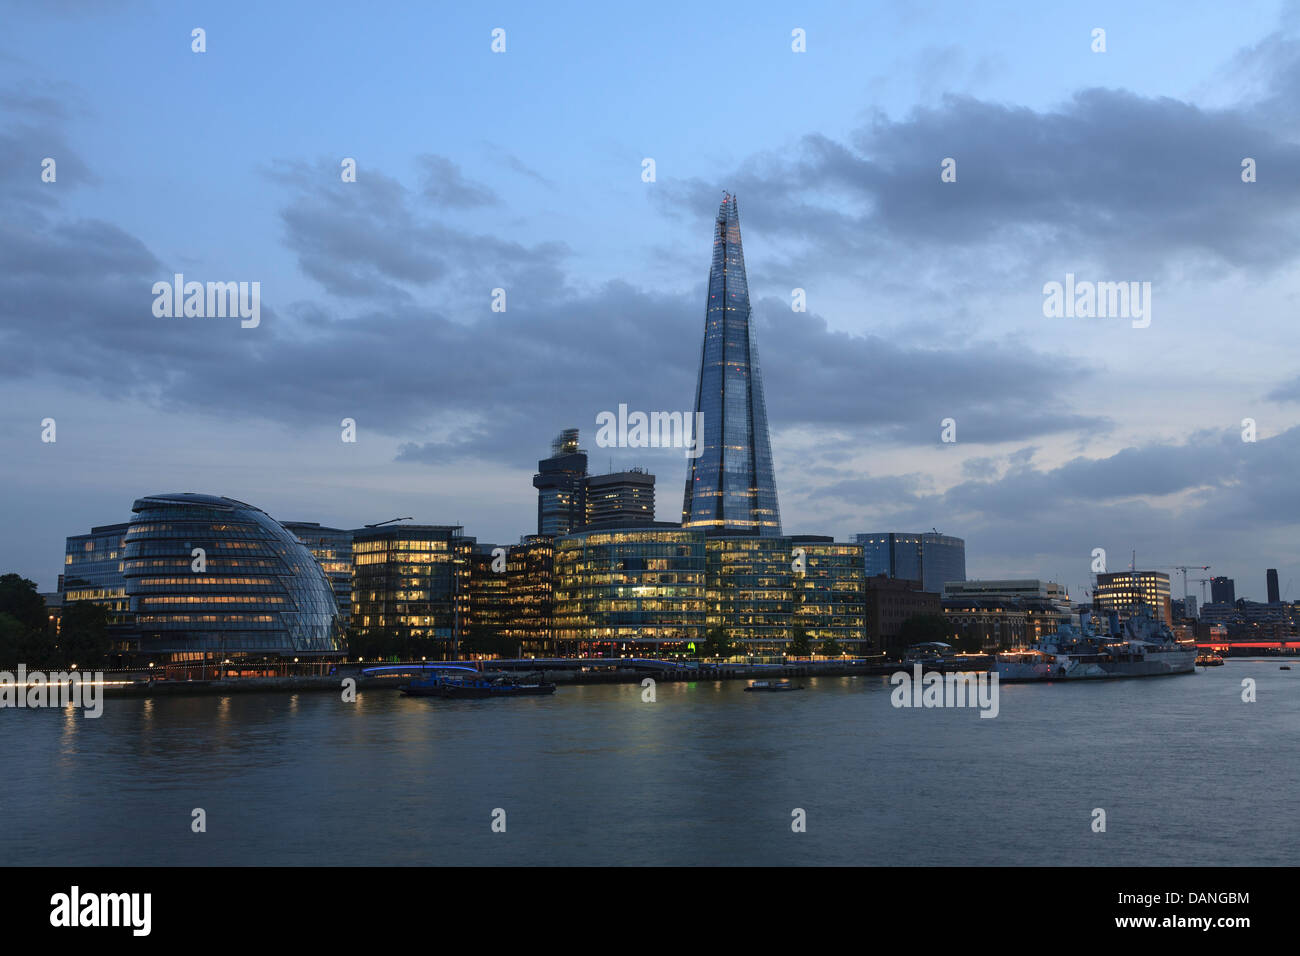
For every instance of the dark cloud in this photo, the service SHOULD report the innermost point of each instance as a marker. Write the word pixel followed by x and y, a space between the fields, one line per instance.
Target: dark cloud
pixel 374 238
pixel 1139 184
pixel 443 183
pixel 402 338
pixel 994 392
pixel 1208 499
pixel 461 380
pixel 1212 485
pixel 25 146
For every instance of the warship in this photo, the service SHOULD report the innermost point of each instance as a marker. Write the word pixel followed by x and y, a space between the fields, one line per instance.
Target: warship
pixel 1140 647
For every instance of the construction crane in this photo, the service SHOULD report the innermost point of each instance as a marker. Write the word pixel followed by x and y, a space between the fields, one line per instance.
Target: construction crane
pixel 1203 582
pixel 1185 568
pixel 380 524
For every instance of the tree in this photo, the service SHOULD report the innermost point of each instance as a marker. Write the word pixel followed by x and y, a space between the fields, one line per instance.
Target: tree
pixel 83 635
pixel 20 644
pixel 20 600
pixel 487 641
pixel 832 648
pixel 377 643
pixel 924 629
pixel 799 645
pixel 717 643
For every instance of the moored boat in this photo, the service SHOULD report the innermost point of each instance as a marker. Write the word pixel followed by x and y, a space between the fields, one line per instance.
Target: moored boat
pixel 475 688
pixel 772 686
pixel 1209 660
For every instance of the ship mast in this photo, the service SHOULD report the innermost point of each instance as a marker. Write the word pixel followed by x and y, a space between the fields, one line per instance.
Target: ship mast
pixel 1133 598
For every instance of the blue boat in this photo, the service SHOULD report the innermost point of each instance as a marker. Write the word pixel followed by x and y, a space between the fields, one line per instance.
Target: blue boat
pixel 474 688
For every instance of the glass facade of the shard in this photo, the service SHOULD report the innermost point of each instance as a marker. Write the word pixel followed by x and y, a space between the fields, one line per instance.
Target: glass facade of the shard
pixel 730 488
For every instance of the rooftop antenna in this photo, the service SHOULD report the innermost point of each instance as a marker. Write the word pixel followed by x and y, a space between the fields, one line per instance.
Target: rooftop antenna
pixel 380 524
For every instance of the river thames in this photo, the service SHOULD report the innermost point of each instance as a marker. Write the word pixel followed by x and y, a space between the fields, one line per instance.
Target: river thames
pixel 1186 772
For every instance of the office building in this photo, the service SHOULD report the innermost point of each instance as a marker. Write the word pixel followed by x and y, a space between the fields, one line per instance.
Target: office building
pixel 1223 590
pixel 889 603
pixel 561 485
pixel 667 587
pixel 530 596
pixel 638 590
pixel 488 607
pixel 987 624
pixel 410 582
pixel 730 486
pixel 210 578
pixel 93 570
pixel 1046 604
pixel 621 499
pixel 750 591
pixel 332 547
pixel 930 558
pixel 829 592
pixel 1008 589
pixel 1125 591
pixel 1270 583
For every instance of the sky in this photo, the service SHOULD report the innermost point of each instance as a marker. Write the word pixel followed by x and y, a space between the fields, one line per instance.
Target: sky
pixel 523 170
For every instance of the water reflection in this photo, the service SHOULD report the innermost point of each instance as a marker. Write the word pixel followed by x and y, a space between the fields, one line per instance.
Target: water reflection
pixel 706 774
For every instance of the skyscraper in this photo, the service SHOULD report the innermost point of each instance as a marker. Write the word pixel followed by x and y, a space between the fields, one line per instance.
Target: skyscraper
pixel 1223 590
pixel 1270 582
pixel 730 488
pixel 625 498
pixel 561 483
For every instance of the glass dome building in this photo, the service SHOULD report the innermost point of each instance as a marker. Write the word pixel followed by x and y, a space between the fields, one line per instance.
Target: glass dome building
pixel 254 590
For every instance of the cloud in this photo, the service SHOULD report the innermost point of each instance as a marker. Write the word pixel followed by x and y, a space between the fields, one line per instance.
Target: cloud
pixel 404 341
pixel 1286 392
pixel 995 392
pixel 1209 498
pixel 401 336
pixel 515 164
pixel 376 239
pixel 445 185
pixel 1143 186
pixel 26 143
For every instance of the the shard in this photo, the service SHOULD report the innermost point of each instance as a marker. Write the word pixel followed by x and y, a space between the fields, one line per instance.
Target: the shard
pixel 730 488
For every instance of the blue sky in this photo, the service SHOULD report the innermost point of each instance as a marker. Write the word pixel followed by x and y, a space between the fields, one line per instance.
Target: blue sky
pixel 523 170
